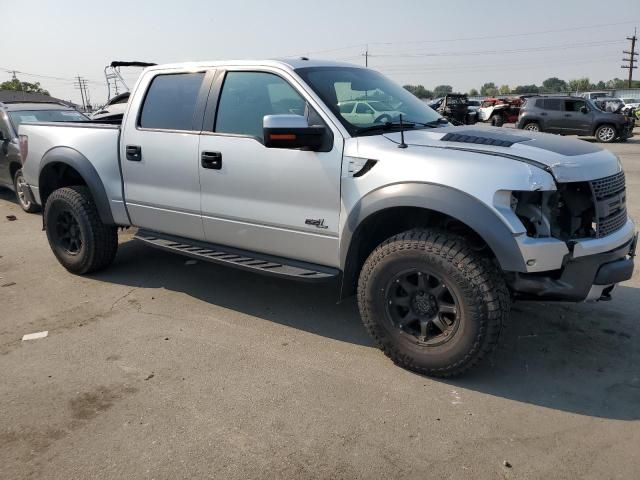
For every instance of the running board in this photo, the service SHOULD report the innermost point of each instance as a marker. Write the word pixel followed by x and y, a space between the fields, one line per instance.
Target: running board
pixel 234 257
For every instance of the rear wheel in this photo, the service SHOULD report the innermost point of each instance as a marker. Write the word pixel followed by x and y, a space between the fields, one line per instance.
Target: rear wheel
pixel 21 188
pixel 532 127
pixel 497 120
pixel 606 133
pixel 433 304
pixel 77 236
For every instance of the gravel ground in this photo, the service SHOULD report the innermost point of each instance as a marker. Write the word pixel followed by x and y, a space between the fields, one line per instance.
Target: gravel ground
pixel 160 369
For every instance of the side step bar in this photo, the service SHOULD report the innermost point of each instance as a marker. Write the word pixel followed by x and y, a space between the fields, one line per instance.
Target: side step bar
pixel 234 257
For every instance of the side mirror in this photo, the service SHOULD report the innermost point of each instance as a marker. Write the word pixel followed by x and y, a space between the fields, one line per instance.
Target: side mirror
pixel 584 109
pixel 291 131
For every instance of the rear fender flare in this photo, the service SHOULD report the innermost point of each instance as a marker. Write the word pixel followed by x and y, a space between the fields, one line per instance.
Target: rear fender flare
pixel 87 171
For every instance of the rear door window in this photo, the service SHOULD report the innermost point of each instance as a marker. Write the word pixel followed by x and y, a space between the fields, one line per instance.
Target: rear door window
pixel 171 101
pixel 553 104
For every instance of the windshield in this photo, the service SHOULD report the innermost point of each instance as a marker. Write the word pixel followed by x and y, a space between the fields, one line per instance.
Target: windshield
pixel 386 100
pixel 20 116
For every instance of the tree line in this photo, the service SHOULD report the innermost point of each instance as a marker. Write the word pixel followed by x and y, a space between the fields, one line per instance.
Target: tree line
pixel 550 85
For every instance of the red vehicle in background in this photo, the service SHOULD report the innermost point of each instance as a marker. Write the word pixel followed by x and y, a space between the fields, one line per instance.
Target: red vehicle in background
pixel 498 111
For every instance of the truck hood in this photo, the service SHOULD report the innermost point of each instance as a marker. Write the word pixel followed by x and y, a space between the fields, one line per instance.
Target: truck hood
pixel 567 159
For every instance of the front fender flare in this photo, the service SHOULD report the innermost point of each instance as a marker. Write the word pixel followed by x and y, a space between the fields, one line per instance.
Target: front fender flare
pixel 87 171
pixel 449 201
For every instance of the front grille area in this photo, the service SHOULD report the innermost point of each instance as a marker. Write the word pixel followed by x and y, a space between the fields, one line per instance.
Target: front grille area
pixel 608 186
pixel 610 201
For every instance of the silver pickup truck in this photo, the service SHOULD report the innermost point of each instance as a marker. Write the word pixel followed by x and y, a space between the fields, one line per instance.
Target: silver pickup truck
pixel 273 167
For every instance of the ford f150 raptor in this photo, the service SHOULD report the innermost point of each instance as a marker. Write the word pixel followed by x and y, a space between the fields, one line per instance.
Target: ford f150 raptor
pixel 251 164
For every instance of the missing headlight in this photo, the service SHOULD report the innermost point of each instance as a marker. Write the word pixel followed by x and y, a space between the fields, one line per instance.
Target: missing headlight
pixel 565 214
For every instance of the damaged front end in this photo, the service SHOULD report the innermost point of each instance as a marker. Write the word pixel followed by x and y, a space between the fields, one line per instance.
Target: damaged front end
pixel 590 217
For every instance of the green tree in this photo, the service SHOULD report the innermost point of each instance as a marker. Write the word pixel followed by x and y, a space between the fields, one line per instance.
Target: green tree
pixel 15 84
pixel 419 91
pixel 579 84
pixel 554 84
pixel 600 85
pixel 473 92
pixel 442 90
pixel 489 89
pixel 504 90
pixel 526 89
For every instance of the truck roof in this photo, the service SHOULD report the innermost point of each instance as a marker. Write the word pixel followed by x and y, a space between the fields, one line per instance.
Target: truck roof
pixel 286 63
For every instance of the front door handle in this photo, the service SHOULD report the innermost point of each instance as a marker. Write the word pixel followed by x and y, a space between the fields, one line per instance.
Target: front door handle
pixel 543 114
pixel 567 114
pixel 134 153
pixel 212 160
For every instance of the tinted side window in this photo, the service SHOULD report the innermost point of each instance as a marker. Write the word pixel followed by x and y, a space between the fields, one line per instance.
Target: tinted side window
pixel 553 104
pixel 171 101
pixel 540 103
pixel 346 107
pixel 574 105
pixel 248 96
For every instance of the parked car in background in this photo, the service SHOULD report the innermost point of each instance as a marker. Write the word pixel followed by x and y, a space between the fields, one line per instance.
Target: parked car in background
pixel 12 115
pixel 364 112
pixel 455 108
pixel 593 95
pixel 435 227
pixel 574 116
pixel 113 110
pixel 498 111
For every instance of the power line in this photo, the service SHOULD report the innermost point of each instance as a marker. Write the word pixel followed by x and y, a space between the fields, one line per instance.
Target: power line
pixel 461 53
pixel 51 77
pixel 461 39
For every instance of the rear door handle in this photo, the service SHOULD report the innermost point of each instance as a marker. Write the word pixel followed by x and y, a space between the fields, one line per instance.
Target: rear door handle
pixel 567 114
pixel 212 160
pixel 543 114
pixel 134 153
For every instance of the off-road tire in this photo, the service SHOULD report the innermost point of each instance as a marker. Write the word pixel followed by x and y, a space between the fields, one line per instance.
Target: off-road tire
pixel 484 301
pixel 18 185
pixel 606 133
pixel 497 120
pixel 99 242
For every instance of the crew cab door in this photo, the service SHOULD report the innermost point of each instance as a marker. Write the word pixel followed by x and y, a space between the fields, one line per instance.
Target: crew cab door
pixel 277 201
pixel 554 119
pixel 576 120
pixel 159 152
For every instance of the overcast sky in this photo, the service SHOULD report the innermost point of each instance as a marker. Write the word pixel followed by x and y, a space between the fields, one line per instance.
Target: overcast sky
pixel 461 43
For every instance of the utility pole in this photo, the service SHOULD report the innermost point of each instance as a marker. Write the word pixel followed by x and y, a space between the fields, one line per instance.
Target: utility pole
pixel 632 57
pixel 366 56
pixel 80 85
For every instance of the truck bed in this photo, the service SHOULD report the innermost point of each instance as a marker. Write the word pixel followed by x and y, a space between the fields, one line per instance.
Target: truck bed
pixel 97 142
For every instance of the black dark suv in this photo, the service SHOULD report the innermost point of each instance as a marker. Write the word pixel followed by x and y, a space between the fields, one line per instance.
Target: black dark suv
pixel 574 116
pixel 12 114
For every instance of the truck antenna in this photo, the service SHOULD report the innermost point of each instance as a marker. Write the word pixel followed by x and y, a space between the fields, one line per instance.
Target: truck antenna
pixel 402 144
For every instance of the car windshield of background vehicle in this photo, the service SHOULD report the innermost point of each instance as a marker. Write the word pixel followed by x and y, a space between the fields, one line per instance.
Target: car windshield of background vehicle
pixel 338 86
pixel 20 116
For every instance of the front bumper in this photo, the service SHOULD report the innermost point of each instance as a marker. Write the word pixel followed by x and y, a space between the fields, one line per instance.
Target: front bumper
pixel 579 277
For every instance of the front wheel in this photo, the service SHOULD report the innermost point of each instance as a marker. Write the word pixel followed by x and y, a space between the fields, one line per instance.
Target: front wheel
pixel 21 187
pixel 532 127
pixel 606 133
pixel 433 304
pixel 77 236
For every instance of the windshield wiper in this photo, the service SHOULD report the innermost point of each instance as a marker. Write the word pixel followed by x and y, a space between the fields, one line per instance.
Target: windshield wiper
pixel 405 124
